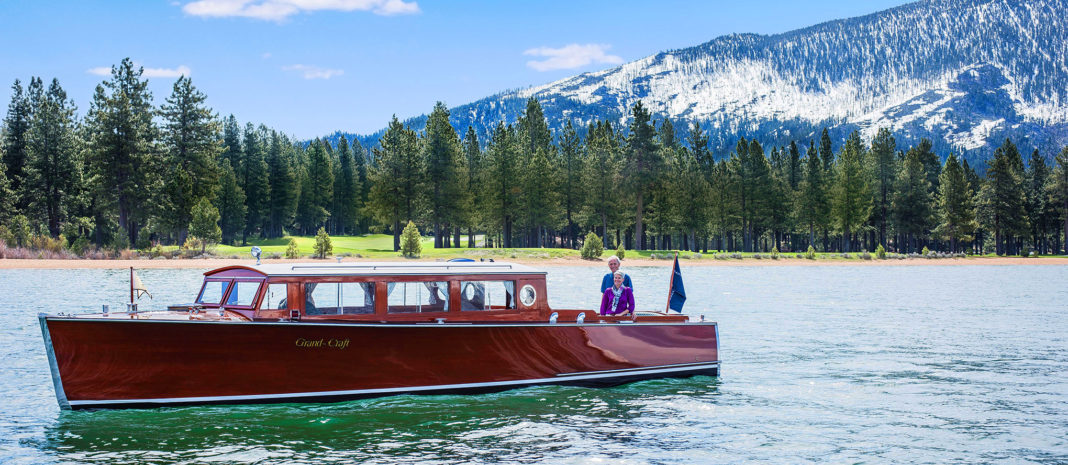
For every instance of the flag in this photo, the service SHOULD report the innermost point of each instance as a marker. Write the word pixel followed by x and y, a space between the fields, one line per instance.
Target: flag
pixel 677 294
pixel 137 286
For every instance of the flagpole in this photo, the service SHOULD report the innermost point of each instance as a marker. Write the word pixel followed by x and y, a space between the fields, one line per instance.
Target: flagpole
pixel 131 286
pixel 671 285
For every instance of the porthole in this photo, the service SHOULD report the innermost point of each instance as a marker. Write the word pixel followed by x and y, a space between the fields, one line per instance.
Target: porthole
pixel 528 295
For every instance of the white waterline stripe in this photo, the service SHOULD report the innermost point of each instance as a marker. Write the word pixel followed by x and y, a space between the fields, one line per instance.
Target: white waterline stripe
pixel 638 369
pixel 440 387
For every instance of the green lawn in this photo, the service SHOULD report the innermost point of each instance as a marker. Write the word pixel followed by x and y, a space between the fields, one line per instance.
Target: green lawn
pixel 381 246
pixel 372 245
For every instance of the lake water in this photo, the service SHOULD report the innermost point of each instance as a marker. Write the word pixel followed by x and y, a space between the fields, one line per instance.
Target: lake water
pixel 836 364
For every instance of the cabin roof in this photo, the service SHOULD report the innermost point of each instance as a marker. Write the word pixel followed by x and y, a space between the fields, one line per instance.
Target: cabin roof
pixel 385 269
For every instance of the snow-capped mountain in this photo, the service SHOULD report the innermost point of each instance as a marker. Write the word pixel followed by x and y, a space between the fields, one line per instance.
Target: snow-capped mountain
pixel 965 73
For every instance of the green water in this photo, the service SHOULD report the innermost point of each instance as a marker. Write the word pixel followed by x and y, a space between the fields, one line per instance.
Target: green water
pixel 820 364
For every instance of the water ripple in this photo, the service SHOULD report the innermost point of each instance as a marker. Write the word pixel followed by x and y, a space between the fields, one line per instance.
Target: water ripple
pixel 836 364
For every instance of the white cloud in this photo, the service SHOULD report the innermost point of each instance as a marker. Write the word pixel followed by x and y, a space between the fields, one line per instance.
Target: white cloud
pixel 571 56
pixel 314 72
pixel 182 70
pixel 277 10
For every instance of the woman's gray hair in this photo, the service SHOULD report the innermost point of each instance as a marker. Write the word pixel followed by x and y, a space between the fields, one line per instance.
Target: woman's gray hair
pixel 618 273
pixel 614 258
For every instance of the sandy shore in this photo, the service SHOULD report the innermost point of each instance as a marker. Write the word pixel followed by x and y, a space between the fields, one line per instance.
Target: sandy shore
pixel 220 262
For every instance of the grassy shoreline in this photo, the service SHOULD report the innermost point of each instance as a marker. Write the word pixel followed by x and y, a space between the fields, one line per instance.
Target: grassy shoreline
pixel 208 263
pixel 380 247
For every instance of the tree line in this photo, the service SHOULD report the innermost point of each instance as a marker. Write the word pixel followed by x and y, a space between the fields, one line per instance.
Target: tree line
pixel 130 174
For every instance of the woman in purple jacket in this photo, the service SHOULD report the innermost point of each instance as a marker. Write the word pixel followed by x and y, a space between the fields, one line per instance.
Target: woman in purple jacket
pixel 618 299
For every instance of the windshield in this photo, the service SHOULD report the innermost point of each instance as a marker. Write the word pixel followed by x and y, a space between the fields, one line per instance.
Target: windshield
pixel 213 291
pixel 243 293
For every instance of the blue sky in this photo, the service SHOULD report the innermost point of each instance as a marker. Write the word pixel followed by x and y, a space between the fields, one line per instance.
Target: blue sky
pixel 310 67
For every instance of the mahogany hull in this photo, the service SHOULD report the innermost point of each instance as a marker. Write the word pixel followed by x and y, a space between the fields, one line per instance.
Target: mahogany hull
pixel 98 363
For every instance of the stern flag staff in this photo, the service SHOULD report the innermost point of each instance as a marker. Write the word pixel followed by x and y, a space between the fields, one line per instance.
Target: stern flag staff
pixel 677 292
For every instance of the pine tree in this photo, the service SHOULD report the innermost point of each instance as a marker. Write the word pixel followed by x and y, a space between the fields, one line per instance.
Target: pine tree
pixel 317 189
pixel 53 169
pixel 500 179
pixel 285 186
pixel 204 223
pixel 690 192
pixel 1058 188
pixel 230 203
pixel 666 135
pixel 602 173
pixel 932 165
pixel 1035 179
pixel 254 181
pixel 7 196
pixel 123 157
pixel 725 202
pixel 884 174
pixel 445 172
pixel 911 206
pixel 347 189
pixel 323 244
pixel 535 143
pixel 698 142
pixel 754 189
pixel 533 130
pixel 538 179
pixel 813 203
pixel 662 215
pixel 643 164
pixel 292 250
pixel 231 142
pixel 1003 196
pixel 397 178
pixel 411 247
pixel 826 152
pixel 191 147
pixel 571 156
pixel 794 171
pixel 956 210
pixel 777 160
pixel 851 203
pixel 592 247
pixel 14 144
pixel 779 220
pixel 975 183
pixel 359 158
pixel 473 215
pixel 539 196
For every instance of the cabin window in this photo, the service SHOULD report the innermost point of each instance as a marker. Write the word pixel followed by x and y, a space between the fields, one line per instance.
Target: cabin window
pixel 339 298
pixel 276 298
pixel 213 292
pixel 487 295
pixel 357 298
pixel 243 293
pixel 418 297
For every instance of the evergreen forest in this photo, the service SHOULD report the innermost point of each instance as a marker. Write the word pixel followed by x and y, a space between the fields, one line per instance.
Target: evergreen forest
pixel 129 173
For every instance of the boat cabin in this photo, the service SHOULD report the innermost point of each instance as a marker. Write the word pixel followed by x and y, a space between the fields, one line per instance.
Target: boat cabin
pixel 386 292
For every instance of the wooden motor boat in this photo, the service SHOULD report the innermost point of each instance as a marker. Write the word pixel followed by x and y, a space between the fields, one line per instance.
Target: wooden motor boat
pixel 326 332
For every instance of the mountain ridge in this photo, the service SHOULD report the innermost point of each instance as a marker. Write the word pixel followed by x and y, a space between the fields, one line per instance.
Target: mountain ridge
pixel 966 74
